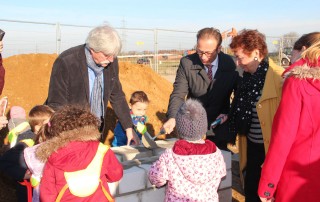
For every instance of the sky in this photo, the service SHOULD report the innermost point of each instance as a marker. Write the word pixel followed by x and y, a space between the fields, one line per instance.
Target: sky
pixel 272 17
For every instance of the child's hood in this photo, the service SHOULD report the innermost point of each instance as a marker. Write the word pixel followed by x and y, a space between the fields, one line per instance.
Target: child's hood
pixel 200 169
pixel 33 163
pixel 74 156
pixel 50 147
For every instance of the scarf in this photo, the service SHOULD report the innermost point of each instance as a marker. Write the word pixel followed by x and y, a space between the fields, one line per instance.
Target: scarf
pixel 183 147
pixel 96 99
pixel 137 119
pixel 246 96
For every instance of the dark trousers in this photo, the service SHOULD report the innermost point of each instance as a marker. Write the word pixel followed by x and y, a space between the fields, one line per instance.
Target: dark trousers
pixel 255 158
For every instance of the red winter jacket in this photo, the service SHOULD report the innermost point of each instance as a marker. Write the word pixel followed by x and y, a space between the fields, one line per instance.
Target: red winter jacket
pixel 73 157
pixel 291 168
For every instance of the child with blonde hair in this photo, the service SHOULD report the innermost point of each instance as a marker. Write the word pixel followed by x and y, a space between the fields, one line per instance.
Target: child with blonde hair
pixel 78 167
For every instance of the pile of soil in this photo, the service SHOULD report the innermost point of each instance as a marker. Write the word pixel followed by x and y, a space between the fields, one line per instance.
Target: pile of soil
pixel 27 81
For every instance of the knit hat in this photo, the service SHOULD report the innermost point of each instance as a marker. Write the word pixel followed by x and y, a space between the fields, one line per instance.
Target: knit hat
pixel 17 116
pixel 17 112
pixel 191 120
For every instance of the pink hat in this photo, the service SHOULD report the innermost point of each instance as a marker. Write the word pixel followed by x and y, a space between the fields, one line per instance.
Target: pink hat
pixel 17 112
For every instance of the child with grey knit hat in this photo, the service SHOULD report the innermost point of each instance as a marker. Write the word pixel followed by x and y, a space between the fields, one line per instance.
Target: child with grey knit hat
pixel 193 168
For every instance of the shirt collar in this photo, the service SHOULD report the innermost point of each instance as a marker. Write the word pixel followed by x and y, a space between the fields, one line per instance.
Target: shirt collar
pixel 215 62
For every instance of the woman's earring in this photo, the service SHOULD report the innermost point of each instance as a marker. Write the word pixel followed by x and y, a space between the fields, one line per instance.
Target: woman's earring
pixel 255 58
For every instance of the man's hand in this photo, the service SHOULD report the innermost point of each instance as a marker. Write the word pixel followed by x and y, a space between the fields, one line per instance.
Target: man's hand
pixel 169 125
pixel 132 136
pixel 3 121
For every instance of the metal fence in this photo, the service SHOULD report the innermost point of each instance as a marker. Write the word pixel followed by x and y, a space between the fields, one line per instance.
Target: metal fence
pixel 161 49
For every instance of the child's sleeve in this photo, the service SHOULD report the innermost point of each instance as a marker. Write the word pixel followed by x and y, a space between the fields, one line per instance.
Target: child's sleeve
pixel 158 173
pixel 48 191
pixel 112 167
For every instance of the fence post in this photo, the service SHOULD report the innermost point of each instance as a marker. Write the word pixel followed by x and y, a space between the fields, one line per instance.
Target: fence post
pixel 280 51
pixel 156 51
pixel 58 38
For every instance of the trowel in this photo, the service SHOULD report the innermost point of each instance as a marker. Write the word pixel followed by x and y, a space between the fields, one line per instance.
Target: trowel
pixel 147 140
pixel 162 132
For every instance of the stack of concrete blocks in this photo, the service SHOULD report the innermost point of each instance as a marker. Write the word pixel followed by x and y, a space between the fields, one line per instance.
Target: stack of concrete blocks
pixel 135 186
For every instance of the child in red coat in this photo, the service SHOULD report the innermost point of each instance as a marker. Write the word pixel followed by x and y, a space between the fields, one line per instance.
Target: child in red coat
pixel 78 167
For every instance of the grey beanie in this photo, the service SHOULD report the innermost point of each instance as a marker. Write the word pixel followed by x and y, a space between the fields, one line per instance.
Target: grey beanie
pixel 191 120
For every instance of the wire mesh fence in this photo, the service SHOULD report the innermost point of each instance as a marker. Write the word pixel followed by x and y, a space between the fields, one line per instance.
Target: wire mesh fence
pixel 161 49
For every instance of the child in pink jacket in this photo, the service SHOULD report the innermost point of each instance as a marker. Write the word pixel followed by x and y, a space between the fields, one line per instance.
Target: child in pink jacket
pixel 193 168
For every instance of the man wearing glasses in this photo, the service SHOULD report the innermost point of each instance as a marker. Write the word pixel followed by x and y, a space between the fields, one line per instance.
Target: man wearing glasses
pixel 88 75
pixel 209 76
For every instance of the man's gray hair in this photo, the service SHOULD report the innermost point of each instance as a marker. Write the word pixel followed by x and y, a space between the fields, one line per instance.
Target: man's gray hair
pixel 104 39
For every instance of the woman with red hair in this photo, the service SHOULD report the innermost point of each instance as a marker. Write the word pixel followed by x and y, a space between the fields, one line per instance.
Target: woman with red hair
pixel 254 105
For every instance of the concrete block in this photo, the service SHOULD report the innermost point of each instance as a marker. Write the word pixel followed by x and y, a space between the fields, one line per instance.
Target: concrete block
pixel 153 195
pixel 138 162
pixel 119 157
pixel 225 195
pixel 146 168
pixel 131 197
pixel 130 152
pixel 133 179
pixel 227 158
pixel 113 187
pixel 168 143
pixel 227 180
pixel 158 151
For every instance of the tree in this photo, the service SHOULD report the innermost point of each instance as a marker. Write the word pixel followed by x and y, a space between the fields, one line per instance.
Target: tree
pixel 289 39
pixel 286 47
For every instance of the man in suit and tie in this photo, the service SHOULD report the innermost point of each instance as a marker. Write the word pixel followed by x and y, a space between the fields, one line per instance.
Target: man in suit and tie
pixel 209 76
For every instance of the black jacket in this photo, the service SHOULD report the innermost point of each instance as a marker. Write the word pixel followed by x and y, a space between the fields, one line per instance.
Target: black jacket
pixel 13 165
pixel 192 82
pixel 69 84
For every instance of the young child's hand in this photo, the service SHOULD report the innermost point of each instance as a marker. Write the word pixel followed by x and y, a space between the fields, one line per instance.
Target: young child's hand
pixel 27 175
pixel 131 136
pixel 3 121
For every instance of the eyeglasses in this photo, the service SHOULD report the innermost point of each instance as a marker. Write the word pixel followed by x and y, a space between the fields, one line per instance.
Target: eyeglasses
pixel 200 53
pixel 107 56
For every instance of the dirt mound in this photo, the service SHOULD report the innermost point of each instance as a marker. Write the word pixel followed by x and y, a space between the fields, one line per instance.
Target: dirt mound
pixel 27 81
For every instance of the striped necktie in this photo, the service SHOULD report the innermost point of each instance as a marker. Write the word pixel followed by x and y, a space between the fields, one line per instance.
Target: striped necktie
pixel 209 71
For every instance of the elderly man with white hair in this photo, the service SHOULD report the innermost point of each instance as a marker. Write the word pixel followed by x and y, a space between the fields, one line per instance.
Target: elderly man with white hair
pixel 88 75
